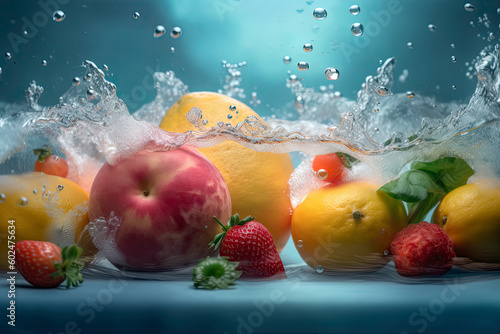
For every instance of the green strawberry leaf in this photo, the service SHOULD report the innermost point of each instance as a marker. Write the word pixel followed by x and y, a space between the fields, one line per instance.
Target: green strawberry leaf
pixel 215 273
pixel 42 153
pixel 233 221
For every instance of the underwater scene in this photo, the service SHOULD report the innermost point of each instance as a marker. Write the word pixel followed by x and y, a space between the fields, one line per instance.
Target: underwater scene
pixel 314 159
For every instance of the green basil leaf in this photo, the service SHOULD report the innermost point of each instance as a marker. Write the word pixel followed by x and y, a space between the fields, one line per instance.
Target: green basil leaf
pixel 450 172
pixel 412 186
pixel 417 211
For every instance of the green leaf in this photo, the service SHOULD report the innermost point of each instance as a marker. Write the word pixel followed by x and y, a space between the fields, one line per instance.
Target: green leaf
pixel 411 186
pixel 426 183
pixel 452 172
pixel 347 160
pixel 212 273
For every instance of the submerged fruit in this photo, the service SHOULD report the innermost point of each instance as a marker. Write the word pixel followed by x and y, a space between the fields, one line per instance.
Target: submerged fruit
pixel 470 215
pixel 44 208
pixel 49 163
pixel 347 227
pixel 257 181
pixel 164 202
pixel 422 249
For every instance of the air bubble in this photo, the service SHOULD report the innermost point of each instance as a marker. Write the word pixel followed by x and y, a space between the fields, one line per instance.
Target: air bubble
pixel 431 27
pixel 410 94
pixel 319 13
pixel 159 31
pixel 88 76
pixel 60 187
pixel 332 73
pixel 410 45
pixel 322 174
pixel 76 81
pixel 453 87
pixel 2 198
pixel 354 9
pixel 8 55
pixel 44 62
pixel 292 78
pixel 172 50
pixel 320 269
pixel 469 7
pixel 357 29
pixel 176 32
pixel 229 116
pixel 453 59
pixel 58 16
pixel 35 191
pixel 90 94
pixel 307 47
pixel 204 122
pixel 287 59
pixel 386 252
pixel 232 107
pixel 23 201
pixel 381 90
pixel 303 66
pixel 136 15
pixel 105 67
pixel 300 243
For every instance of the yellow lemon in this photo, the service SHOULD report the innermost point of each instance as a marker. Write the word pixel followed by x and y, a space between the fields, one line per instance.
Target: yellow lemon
pixel 257 181
pixel 470 215
pixel 347 227
pixel 37 206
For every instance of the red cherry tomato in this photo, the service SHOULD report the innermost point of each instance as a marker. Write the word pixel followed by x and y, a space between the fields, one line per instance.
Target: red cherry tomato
pixel 49 163
pixel 331 163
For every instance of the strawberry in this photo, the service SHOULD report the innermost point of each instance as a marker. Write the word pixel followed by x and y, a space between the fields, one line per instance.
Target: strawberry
pixel 249 243
pixel 44 265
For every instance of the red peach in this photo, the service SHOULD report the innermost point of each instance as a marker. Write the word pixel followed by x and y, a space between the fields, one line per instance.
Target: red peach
pixel 166 202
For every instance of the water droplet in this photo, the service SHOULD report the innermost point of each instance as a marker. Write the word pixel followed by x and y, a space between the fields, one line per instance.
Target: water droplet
pixel 322 174
pixel 453 59
pixel 287 59
pixel 300 243
pixel 58 16
pixel 44 62
pixel 90 94
pixel 303 66
pixel 60 187
pixel 354 9
pixel 431 27
pixel 176 32
pixel 8 55
pixel 320 269
pixel 137 15
pixel 319 13
pixel 410 94
pixel 307 47
pixel 453 87
pixel 332 73
pixel 410 45
pixel 469 7
pixel 76 81
pixel 381 90
pixel 204 122
pixel 2 198
pixel 232 107
pixel 159 31
pixel 172 50
pixel 229 116
pixel 357 29
pixel 386 252
pixel 23 201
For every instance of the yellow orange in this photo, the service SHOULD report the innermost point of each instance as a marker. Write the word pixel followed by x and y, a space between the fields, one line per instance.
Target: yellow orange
pixel 347 227
pixel 257 181
pixel 470 215
pixel 42 207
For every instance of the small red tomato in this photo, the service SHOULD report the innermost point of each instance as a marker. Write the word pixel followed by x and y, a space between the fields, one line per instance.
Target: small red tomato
pixel 329 168
pixel 49 163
